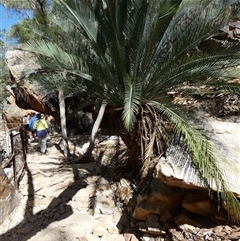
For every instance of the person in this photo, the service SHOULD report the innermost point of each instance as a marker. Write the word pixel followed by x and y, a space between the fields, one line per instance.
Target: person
pixel 41 129
pixel 25 121
pixel 32 121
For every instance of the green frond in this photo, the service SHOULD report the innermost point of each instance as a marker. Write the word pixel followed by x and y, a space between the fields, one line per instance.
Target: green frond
pixel 132 102
pixel 230 87
pixel 197 66
pixel 56 56
pixel 210 164
pixel 81 16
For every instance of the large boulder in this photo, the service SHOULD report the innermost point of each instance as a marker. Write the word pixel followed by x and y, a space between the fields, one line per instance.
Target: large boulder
pixel 26 97
pixel 20 63
pixel 177 169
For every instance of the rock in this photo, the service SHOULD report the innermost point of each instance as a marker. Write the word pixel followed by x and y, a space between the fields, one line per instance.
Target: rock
pixel 91 237
pixel 130 237
pixel 82 197
pixel 199 203
pixel 124 191
pixel 234 236
pixel 27 97
pixel 20 63
pixel 153 225
pixel 115 237
pixel 159 199
pixel 100 229
pixel 9 197
pixel 12 113
pixel 187 227
pixel 183 219
pixel 217 229
pixel 177 169
pixel 110 224
pixel 166 216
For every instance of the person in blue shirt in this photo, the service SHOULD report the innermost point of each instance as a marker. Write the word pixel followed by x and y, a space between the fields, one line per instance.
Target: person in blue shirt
pixel 32 121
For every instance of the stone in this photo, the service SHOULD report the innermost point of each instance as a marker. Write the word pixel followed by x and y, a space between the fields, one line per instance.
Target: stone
pixel 234 236
pixel 177 168
pixel 62 219
pixel 20 62
pixel 75 220
pixel 56 216
pixel 221 234
pixel 124 191
pixel 217 229
pixel 153 225
pixel 130 237
pixel 183 219
pixel 100 208
pixel 91 237
pixel 82 197
pixel 100 229
pixel 187 227
pixel 56 190
pixel 111 225
pixel 115 237
pixel 160 199
pixel 199 203
pixel 166 216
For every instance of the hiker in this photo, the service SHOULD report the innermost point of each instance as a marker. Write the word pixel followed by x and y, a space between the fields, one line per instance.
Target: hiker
pixel 32 121
pixel 25 121
pixel 41 129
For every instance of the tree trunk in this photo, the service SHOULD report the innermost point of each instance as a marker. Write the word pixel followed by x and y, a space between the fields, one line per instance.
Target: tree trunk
pixel 63 121
pixel 95 129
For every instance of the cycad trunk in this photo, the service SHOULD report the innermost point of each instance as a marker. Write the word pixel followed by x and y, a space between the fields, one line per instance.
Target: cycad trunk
pixel 132 141
pixel 148 140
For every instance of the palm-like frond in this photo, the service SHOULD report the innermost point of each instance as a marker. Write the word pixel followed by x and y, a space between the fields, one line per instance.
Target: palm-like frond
pixel 230 87
pixel 132 102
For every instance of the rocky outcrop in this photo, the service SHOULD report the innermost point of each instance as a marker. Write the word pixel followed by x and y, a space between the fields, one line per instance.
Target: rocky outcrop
pixel 25 95
pixel 177 168
pixel 28 96
pixel 178 186
pixel 9 198
pixel 21 63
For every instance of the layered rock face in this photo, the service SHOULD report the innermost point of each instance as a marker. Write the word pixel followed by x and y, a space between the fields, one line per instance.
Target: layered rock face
pixel 9 198
pixel 29 97
pixel 175 186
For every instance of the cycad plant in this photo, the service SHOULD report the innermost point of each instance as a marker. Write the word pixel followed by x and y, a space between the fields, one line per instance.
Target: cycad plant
pixel 130 53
